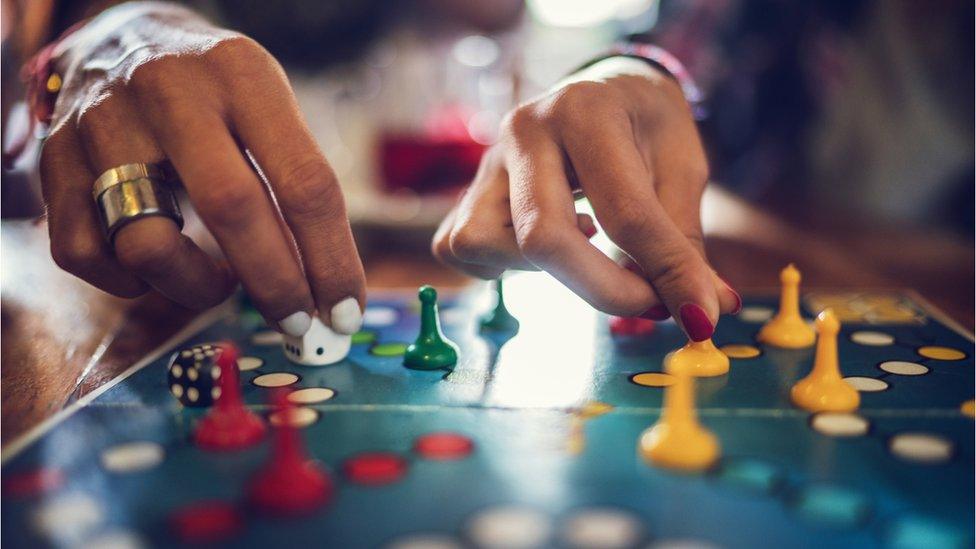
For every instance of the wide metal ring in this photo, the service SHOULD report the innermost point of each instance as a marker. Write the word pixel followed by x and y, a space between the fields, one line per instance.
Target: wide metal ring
pixel 127 201
pixel 127 172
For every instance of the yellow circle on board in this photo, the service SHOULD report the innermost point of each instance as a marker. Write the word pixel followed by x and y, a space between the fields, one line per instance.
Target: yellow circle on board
pixel 968 408
pixel 941 353
pixel 653 379
pixel 594 409
pixel 736 350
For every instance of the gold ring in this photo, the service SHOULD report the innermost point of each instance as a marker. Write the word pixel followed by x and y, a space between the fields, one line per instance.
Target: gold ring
pixel 133 191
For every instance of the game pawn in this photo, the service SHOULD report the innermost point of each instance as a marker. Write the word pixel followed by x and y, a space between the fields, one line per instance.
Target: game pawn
pixel 431 350
pixel 824 390
pixel 788 329
pixel 229 425
pixel 699 359
pixel 499 319
pixel 290 483
pixel 678 441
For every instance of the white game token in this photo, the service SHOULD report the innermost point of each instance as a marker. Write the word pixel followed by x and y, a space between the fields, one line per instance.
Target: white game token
pixel 425 541
pixel 872 339
pixel 319 346
pixel 275 379
pixel 132 457
pixel 311 395
pixel 70 517
pixel 511 527
pixel 266 338
pixel 921 447
pixel 838 424
pixel 378 317
pixel 755 314
pixel 299 417
pixel 602 529
pixel 903 368
pixel 866 384
pixel 248 363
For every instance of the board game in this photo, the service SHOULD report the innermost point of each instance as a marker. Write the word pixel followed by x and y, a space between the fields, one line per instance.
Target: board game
pixel 541 429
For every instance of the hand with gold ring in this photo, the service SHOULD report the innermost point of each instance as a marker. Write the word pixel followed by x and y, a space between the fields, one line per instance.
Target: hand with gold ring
pixel 145 83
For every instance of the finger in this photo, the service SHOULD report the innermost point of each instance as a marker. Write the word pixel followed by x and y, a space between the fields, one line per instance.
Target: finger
pixel 232 203
pixel 621 190
pixel 78 244
pixel 483 234
pixel 586 225
pixel 151 248
pixel 311 203
pixel 547 232
pixel 440 247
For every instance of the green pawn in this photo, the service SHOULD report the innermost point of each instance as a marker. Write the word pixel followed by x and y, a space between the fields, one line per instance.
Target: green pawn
pixel 499 319
pixel 431 350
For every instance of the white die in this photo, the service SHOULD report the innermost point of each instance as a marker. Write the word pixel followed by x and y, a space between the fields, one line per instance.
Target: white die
pixel 318 347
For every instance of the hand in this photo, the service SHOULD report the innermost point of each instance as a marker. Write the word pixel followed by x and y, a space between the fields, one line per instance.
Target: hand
pixel 622 133
pixel 146 82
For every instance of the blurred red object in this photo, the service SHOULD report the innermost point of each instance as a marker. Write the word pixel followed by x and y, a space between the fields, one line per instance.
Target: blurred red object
pixel 428 165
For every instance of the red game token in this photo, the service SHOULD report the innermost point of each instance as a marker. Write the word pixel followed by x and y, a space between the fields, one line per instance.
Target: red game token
pixel 443 446
pixel 375 468
pixel 631 325
pixel 206 522
pixel 32 482
pixel 230 425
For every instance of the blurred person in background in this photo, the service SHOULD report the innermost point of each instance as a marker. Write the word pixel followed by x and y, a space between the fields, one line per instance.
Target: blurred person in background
pixel 821 109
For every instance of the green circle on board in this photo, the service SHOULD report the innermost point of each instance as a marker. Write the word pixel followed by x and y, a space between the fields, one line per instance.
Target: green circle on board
pixel 389 349
pixel 832 505
pixel 364 336
pixel 751 474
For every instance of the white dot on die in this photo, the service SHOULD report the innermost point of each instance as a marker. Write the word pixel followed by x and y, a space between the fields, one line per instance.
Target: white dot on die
pixel 866 384
pixel 177 390
pixel 192 374
pixel 837 424
pixel 215 372
pixel 921 447
pixel 903 368
pixel 193 394
pixel 510 526
pixel 602 528
pixel 176 370
pixel 132 457
pixel 874 339
pixel 215 393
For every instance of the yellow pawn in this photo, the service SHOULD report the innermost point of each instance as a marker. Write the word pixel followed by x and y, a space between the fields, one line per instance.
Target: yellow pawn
pixel 788 329
pixel 677 440
pixel 698 359
pixel 824 390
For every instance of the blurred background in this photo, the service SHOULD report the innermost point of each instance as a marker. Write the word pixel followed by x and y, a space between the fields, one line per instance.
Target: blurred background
pixel 853 115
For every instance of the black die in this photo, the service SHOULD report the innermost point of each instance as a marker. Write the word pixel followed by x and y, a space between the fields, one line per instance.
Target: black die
pixel 192 375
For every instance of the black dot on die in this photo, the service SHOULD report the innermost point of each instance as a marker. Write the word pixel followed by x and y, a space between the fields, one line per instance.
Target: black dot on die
pixel 319 351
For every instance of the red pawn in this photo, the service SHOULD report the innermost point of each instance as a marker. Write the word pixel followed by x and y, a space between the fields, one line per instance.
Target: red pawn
pixel 290 483
pixel 631 326
pixel 229 425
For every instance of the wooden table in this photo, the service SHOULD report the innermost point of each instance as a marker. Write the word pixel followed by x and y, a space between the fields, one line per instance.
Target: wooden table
pixel 62 338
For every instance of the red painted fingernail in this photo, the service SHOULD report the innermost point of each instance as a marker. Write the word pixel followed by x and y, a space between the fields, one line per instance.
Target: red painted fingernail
pixel 695 322
pixel 657 312
pixel 590 232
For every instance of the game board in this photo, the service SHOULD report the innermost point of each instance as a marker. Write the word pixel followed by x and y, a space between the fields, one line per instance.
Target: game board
pixel 554 415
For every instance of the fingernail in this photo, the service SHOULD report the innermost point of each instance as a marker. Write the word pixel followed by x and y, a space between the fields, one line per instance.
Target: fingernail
pixel 347 317
pixel 738 298
pixel 657 312
pixel 590 232
pixel 296 324
pixel 695 322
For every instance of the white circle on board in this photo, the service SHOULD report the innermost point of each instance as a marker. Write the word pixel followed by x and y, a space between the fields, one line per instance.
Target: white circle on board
pixel 755 313
pixel 839 424
pixel 873 339
pixel 132 457
pixel 68 517
pixel 311 395
pixel 601 528
pixel 297 417
pixel 425 541
pixel 248 363
pixel 510 526
pixel 921 447
pixel 904 368
pixel 682 544
pixel 116 539
pixel 377 317
pixel 275 379
pixel 267 338
pixel 866 384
